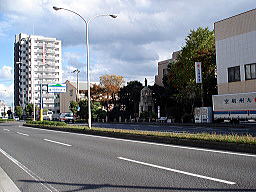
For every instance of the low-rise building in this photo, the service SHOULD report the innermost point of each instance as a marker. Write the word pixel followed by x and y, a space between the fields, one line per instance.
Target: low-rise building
pixel 162 69
pixel 72 94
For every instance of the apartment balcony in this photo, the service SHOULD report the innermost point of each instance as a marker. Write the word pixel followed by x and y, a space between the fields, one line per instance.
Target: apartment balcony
pixel 49 51
pixel 48 101
pixel 48 82
pixel 50 77
pixel 50 45
pixel 48 57
pixel 46 70
pixel 47 95
pixel 38 44
pixel 39 57
pixel 38 51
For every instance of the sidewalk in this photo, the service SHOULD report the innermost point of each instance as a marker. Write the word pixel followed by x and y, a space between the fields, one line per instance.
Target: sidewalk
pixel 6 184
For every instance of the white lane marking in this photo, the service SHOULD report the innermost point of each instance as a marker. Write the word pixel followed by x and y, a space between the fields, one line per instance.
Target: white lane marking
pixel 29 172
pixel 57 142
pixel 22 134
pixel 150 143
pixel 6 130
pixel 178 171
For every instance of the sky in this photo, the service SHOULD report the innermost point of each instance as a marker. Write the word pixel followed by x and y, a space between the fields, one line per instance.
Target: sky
pixel 144 33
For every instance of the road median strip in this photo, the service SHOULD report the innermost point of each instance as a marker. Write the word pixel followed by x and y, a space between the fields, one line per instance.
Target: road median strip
pixel 235 143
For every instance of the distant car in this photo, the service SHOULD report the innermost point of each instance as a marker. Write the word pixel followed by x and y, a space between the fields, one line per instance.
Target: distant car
pixel 67 117
pixel 4 117
pixel 16 118
pixel 48 115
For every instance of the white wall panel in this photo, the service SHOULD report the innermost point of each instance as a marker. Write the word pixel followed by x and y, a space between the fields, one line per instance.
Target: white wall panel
pixel 234 51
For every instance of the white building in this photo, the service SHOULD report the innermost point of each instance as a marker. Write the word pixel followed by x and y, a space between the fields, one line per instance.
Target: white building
pixel 37 60
pixel 235 53
pixel 3 109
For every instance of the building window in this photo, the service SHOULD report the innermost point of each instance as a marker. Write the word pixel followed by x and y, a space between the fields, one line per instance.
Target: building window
pixel 250 71
pixel 234 74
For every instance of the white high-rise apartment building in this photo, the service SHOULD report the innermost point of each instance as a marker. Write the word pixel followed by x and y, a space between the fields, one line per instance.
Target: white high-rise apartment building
pixel 37 62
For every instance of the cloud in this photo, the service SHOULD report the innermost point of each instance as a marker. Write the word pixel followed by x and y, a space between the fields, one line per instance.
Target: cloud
pixel 6 93
pixel 6 73
pixel 144 32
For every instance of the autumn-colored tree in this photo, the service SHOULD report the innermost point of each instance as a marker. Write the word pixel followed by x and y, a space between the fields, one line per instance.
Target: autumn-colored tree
pixel 111 85
pixel 97 93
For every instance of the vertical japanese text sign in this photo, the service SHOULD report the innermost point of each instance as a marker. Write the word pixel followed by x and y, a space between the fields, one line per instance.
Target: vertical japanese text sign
pixel 198 71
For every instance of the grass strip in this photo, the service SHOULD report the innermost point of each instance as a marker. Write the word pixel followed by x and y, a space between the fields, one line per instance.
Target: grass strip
pixel 236 143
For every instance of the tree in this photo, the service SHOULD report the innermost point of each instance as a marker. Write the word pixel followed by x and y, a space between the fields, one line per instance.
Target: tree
pixel 97 111
pixel 18 111
pixel 29 110
pixel 73 106
pixel 111 85
pixel 97 93
pixel 199 47
pixel 83 112
pixel 9 113
pixel 130 98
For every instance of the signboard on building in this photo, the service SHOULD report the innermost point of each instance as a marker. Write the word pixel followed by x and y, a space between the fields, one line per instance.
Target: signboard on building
pixel 56 88
pixel 198 72
pixel 239 101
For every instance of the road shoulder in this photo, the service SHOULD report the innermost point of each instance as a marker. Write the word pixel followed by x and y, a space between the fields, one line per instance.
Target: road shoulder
pixel 6 184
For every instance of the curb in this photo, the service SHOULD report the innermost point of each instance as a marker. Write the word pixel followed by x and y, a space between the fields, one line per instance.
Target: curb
pixel 6 184
pixel 217 125
pixel 235 147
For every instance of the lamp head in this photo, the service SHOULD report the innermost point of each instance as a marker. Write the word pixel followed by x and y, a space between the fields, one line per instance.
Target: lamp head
pixel 113 16
pixel 56 8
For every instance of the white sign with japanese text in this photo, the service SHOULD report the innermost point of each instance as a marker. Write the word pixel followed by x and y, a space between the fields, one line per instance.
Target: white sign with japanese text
pixel 198 72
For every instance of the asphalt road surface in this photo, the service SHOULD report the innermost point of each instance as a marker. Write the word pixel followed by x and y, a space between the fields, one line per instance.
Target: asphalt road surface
pixel 181 129
pixel 45 160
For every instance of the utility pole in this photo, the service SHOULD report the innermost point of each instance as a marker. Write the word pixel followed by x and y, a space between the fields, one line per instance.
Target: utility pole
pixel 77 84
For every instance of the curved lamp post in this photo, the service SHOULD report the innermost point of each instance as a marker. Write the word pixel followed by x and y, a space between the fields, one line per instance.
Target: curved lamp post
pixel 87 58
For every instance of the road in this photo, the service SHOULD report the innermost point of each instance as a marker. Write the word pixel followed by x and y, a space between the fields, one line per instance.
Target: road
pixel 45 160
pixel 180 129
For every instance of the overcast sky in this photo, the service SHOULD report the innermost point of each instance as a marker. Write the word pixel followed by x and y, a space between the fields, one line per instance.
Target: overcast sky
pixel 144 33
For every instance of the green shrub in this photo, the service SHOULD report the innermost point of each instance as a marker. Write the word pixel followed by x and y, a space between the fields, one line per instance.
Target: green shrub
pixel 4 120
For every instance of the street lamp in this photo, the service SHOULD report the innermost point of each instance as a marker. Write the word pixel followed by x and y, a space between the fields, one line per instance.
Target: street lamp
pixel 77 87
pixel 87 58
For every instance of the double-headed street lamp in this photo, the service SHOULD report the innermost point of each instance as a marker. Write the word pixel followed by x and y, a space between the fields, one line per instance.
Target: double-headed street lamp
pixel 87 58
